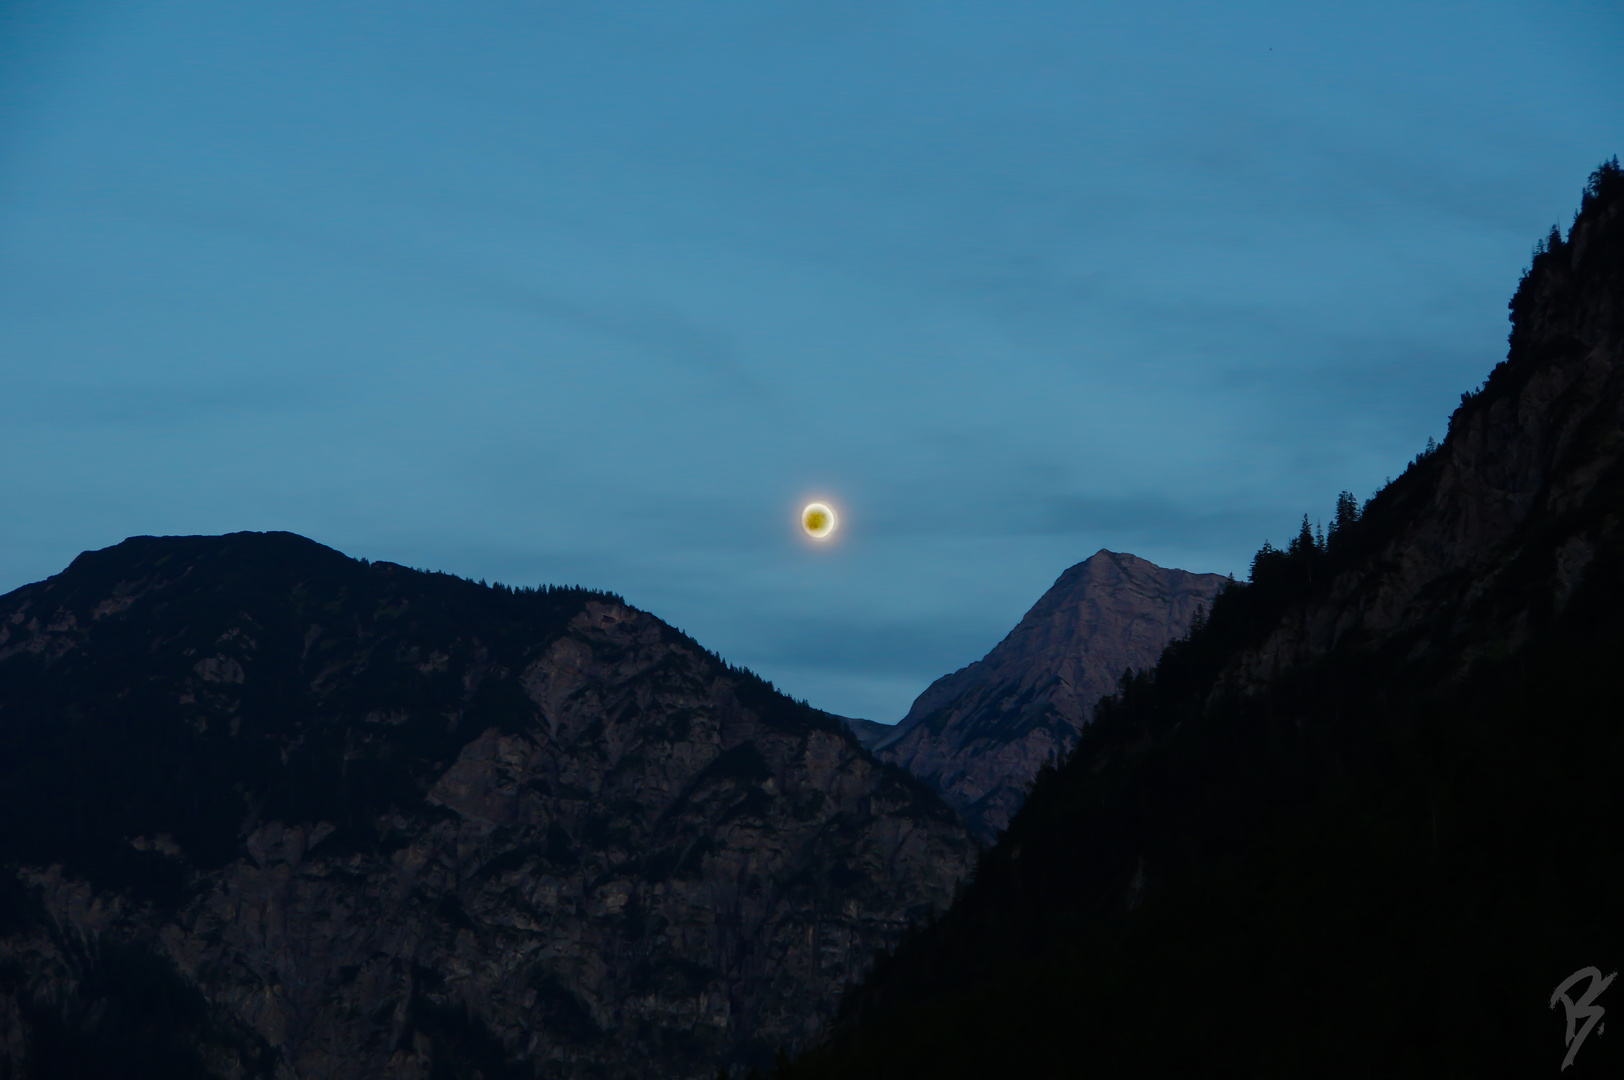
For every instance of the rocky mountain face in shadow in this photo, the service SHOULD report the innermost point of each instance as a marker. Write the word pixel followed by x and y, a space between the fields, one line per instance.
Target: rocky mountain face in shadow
pixel 1367 819
pixel 267 811
pixel 979 735
pixel 1484 541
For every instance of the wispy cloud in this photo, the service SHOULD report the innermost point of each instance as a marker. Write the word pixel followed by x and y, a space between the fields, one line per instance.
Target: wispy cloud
pixel 648 327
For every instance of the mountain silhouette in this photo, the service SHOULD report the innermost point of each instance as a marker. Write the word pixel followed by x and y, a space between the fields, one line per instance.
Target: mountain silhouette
pixel 1366 819
pixel 980 735
pixel 269 811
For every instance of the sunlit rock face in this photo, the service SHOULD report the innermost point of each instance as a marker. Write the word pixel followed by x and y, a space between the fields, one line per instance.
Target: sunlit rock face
pixel 981 734
pixel 269 811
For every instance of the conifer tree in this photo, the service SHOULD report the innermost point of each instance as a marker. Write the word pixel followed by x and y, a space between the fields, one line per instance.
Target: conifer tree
pixel 1347 515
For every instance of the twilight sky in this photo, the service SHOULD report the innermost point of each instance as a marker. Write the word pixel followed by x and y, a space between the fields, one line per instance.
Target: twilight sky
pixel 601 293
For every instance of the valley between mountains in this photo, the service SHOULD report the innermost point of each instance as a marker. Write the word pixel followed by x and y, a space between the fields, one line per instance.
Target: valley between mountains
pixel 270 811
pixel 340 819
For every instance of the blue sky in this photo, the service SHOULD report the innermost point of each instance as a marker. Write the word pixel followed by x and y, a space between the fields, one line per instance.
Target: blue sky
pixel 602 293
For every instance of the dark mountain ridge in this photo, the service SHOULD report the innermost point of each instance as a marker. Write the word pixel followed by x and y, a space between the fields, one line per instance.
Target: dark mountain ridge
pixel 268 811
pixel 1365 818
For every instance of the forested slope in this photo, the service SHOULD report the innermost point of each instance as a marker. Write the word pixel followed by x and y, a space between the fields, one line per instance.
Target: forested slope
pixel 1365 819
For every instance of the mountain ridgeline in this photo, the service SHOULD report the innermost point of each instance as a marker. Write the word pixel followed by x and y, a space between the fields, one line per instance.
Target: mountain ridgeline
pixel 1367 816
pixel 980 735
pixel 268 811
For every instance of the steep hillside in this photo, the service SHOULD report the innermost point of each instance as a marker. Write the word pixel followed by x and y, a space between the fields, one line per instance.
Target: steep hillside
pixel 1366 819
pixel 269 811
pixel 979 735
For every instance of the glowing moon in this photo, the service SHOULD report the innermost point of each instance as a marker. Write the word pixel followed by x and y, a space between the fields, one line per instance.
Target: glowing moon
pixel 819 520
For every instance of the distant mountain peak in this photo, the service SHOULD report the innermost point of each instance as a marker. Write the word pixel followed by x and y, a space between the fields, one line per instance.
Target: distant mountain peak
pixel 980 735
pixel 1388 759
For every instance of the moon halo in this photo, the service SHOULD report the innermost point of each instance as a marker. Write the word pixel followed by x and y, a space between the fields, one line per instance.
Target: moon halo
pixel 819 520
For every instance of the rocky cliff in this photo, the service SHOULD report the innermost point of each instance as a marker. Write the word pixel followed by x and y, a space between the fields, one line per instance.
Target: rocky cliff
pixel 981 734
pixel 1485 540
pixel 269 811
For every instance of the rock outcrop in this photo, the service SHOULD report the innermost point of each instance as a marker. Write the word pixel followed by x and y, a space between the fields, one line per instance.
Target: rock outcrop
pixel 269 811
pixel 1485 540
pixel 981 734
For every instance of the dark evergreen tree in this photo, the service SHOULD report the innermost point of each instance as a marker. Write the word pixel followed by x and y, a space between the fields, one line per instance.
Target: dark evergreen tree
pixel 1347 515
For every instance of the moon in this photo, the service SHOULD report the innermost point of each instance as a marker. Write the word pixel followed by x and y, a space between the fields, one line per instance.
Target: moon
pixel 819 520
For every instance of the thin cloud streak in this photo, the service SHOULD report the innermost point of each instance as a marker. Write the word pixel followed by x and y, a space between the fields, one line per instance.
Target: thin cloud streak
pixel 646 327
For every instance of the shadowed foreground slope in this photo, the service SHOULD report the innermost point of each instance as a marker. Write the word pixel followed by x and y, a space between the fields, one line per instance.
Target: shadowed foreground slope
pixel 269 811
pixel 1364 820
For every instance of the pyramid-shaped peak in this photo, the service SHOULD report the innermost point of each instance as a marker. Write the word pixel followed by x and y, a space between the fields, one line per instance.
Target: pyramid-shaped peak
pixel 980 734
